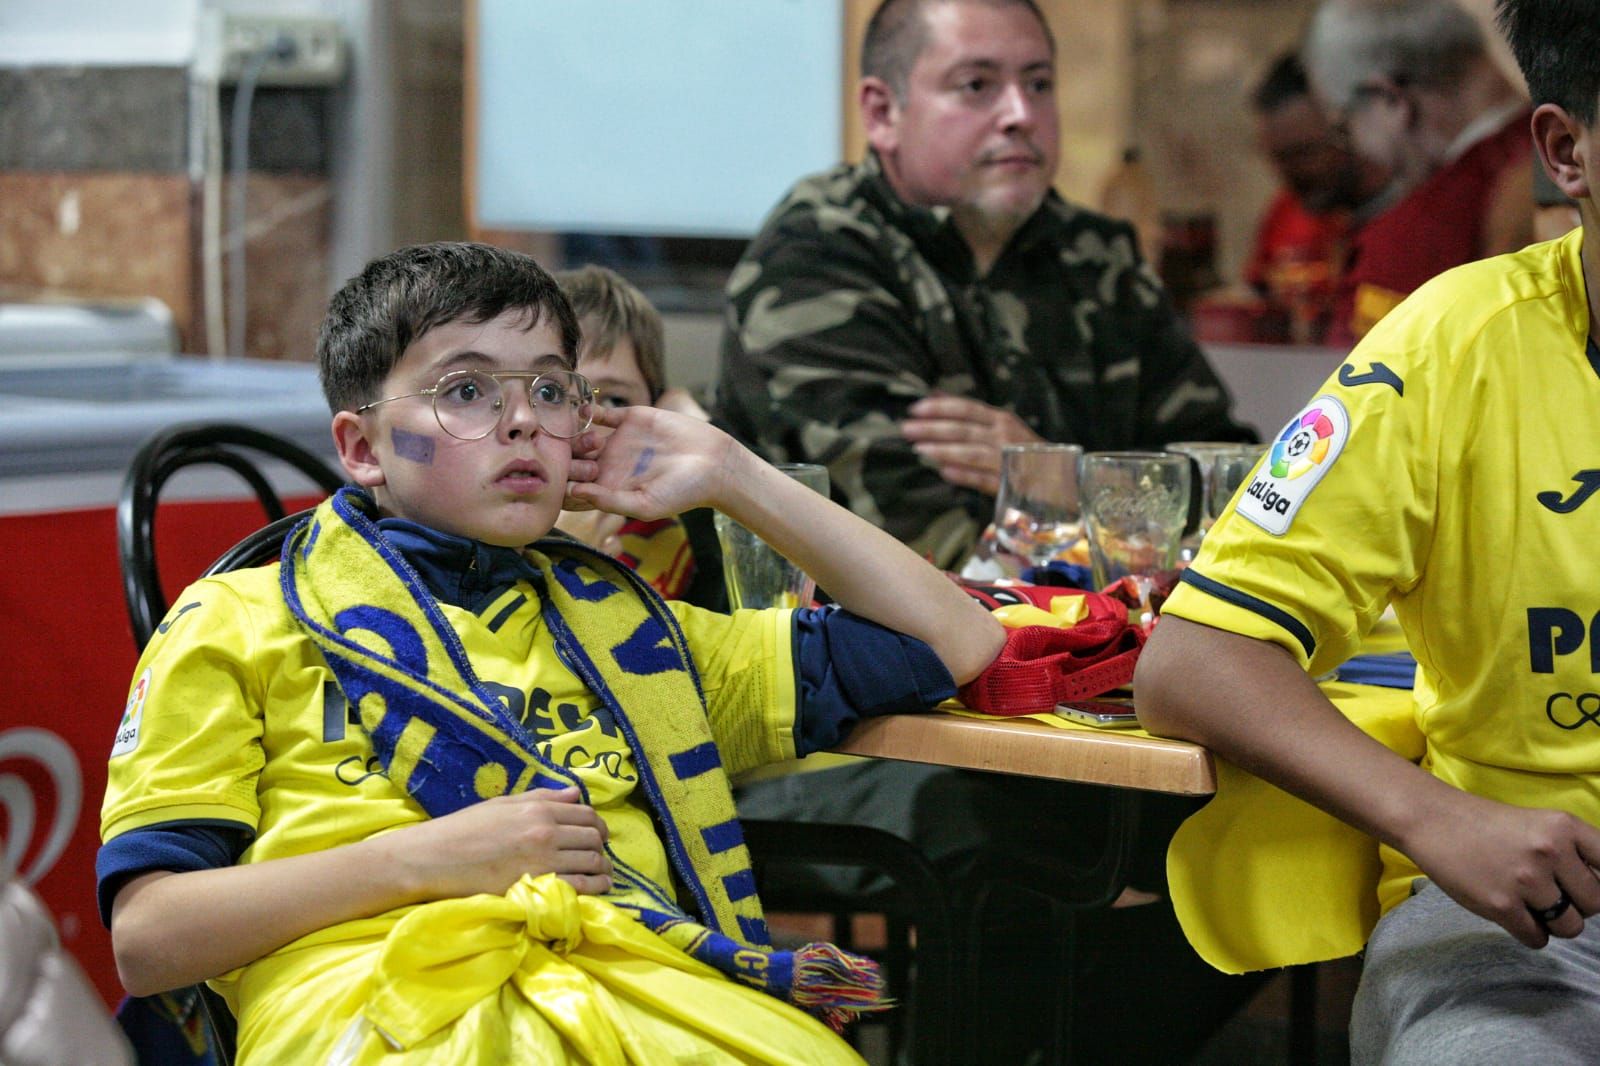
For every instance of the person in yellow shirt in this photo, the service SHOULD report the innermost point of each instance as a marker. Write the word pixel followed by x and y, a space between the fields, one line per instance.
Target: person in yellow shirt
pixel 422 792
pixel 622 353
pixel 1448 469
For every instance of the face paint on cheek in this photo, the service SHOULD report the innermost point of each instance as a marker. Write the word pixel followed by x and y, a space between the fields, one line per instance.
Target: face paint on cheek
pixel 644 461
pixel 413 446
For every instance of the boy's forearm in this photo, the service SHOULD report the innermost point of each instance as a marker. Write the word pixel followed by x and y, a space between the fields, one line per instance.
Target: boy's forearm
pixel 175 929
pixel 171 929
pixel 860 566
pixel 1252 703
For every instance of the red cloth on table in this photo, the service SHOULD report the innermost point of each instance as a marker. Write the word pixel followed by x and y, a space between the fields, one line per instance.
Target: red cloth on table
pixel 1041 666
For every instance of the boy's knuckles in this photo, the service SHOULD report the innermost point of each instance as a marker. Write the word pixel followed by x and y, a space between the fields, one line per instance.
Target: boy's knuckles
pixel 537 835
pixel 1498 906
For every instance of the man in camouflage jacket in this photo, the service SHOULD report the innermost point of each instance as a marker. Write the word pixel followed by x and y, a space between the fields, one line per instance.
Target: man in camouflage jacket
pixel 867 293
pixel 900 321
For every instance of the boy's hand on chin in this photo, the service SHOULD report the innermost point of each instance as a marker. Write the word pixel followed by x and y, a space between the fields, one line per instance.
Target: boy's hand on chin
pixel 654 464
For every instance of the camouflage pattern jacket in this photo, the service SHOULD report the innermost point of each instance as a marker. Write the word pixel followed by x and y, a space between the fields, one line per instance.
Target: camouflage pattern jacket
pixel 850 305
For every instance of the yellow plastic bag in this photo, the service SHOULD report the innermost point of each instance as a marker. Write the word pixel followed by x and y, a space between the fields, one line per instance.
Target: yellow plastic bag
pixel 1262 879
pixel 540 974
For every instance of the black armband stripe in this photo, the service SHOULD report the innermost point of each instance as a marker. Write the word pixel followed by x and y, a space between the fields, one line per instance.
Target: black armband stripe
pixel 1276 615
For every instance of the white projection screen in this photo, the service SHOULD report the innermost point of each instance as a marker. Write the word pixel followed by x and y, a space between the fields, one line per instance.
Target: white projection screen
pixel 652 117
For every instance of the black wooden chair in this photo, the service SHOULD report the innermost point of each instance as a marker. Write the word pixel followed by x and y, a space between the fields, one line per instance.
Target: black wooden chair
pixel 1065 890
pixel 242 450
pixel 926 980
pixel 238 448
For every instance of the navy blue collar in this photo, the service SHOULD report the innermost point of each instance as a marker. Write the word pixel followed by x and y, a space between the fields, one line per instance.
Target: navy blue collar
pixel 461 572
pixel 1594 355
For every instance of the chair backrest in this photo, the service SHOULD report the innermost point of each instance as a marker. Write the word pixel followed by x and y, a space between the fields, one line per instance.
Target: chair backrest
pixel 198 443
pixel 259 548
pixel 234 447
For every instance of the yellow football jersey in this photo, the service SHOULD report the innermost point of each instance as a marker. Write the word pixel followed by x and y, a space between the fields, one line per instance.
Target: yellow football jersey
pixel 1449 467
pixel 660 552
pixel 234 718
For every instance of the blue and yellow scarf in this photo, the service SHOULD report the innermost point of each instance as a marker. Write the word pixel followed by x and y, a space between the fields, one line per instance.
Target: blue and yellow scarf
pixel 450 742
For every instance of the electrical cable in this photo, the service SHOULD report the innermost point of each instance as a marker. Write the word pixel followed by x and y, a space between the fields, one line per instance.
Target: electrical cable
pixel 211 220
pixel 283 50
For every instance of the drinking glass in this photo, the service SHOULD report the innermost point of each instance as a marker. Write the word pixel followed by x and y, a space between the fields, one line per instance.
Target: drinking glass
pixel 1229 469
pixel 1204 453
pixel 1135 505
pixel 1036 512
pixel 756 575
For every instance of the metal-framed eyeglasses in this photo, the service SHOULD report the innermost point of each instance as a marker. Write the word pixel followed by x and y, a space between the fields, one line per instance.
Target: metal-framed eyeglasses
pixel 469 404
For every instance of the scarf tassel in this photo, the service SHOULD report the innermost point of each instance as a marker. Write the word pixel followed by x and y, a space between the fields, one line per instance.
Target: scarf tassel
pixel 837 986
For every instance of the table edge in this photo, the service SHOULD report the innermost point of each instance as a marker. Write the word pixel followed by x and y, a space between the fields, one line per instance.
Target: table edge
pixel 1016 746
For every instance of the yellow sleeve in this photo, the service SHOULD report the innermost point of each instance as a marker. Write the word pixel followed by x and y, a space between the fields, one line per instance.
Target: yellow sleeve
pixel 1338 516
pixel 188 745
pixel 746 666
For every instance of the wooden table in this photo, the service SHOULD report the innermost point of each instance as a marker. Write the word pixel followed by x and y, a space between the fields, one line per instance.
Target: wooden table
pixel 1034 749
pixel 1130 762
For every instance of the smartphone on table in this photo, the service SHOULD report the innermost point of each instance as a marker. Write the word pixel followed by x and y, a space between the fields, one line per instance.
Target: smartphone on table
pixel 1105 712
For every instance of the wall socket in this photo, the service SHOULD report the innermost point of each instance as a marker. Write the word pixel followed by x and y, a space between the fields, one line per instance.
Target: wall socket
pixel 300 51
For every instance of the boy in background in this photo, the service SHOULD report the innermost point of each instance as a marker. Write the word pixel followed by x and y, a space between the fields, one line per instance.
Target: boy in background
pixel 621 351
pixel 419 794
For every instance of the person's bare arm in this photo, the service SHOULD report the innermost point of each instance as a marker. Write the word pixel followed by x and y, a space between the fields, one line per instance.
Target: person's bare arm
pixel 683 402
pixel 1252 703
pixel 658 464
pixel 174 929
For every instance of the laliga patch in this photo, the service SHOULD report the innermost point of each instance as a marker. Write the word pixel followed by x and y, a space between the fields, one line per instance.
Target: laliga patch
pixel 1303 452
pixel 128 728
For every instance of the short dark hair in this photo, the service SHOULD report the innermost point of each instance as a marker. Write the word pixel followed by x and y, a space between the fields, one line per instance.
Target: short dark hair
pixel 897 33
pixel 1557 45
pixel 1284 81
pixel 399 297
pixel 610 308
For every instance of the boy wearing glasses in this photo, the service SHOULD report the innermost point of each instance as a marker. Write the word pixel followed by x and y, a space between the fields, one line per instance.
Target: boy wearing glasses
pixel 420 793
